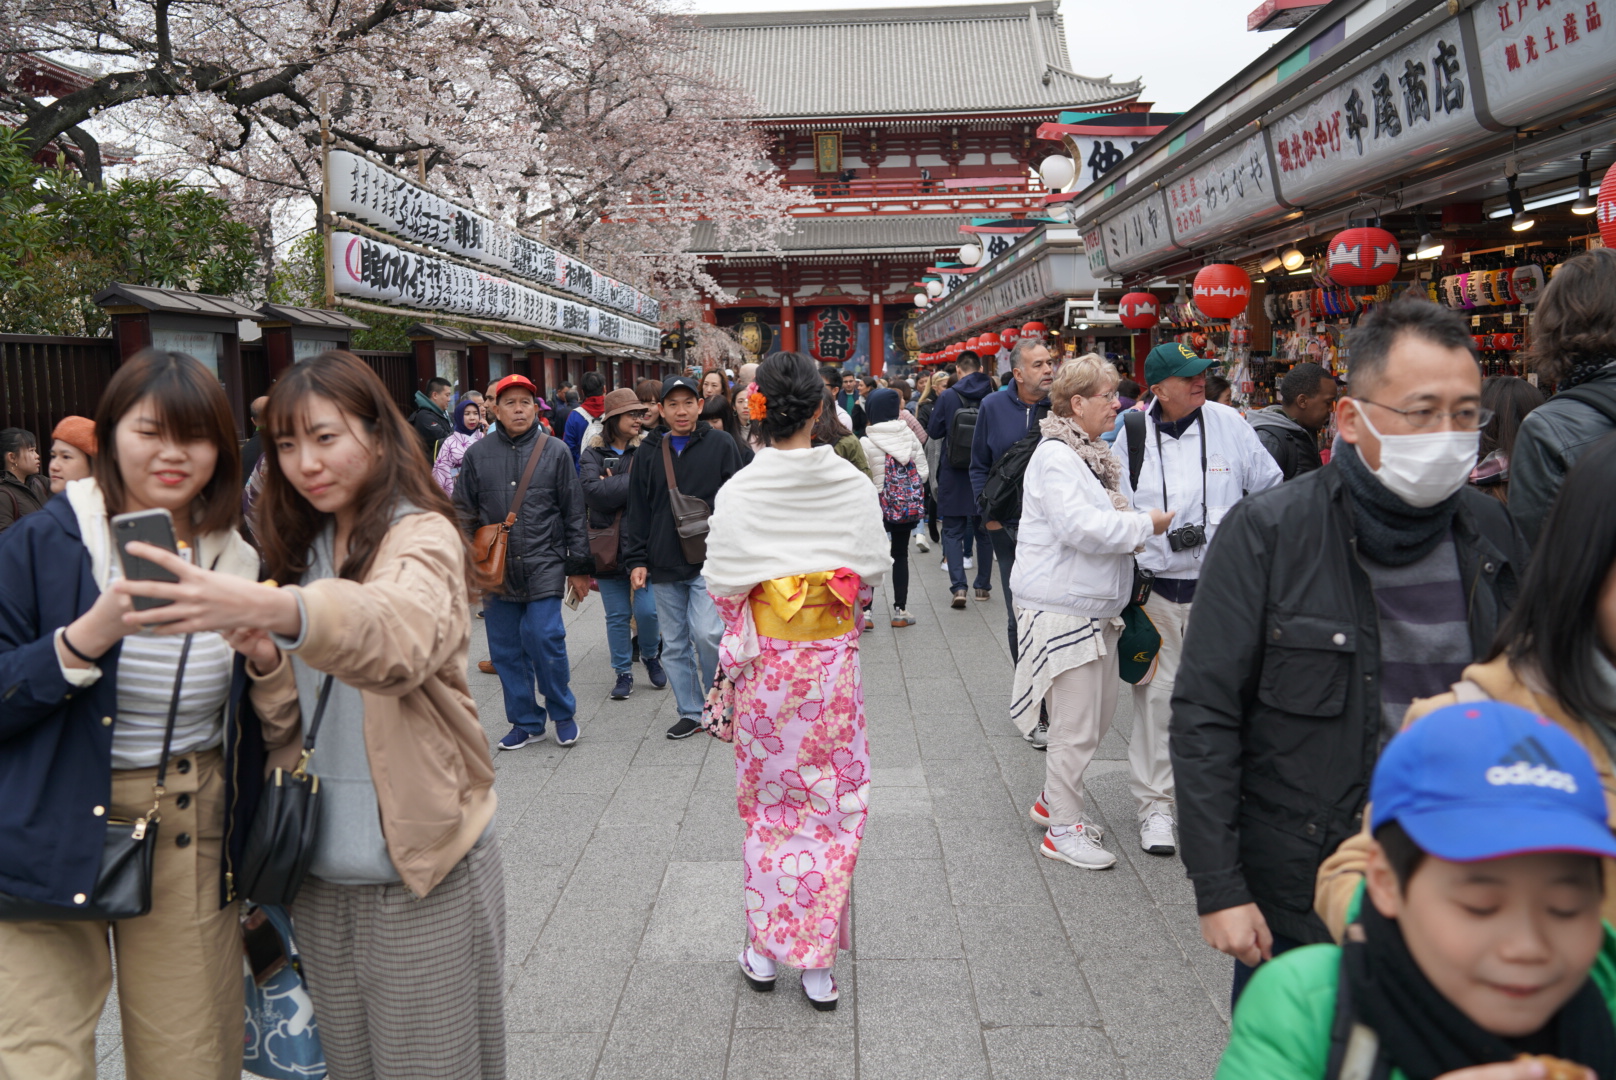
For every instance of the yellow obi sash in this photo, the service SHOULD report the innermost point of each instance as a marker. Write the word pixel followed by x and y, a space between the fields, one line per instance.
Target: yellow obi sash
pixel 806 607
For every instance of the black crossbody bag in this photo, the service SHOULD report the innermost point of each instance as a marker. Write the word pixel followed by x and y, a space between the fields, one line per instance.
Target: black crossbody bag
pixel 123 885
pixel 280 845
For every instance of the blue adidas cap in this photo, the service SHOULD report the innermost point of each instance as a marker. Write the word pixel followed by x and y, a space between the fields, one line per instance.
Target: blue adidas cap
pixel 1486 780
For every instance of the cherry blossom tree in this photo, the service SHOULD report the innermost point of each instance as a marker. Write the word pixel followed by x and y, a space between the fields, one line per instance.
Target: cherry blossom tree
pixel 587 121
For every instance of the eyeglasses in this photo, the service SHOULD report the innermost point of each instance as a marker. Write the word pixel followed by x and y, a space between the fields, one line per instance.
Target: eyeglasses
pixel 1112 396
pixel 1465 418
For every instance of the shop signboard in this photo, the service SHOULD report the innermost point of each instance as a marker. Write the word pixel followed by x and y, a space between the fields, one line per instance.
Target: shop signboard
pixel 364 191
pixel 1229 191
pixel 1137 236
pixel 1416 101
pixel 1539 58
pixel 1043 276
pixel 374 270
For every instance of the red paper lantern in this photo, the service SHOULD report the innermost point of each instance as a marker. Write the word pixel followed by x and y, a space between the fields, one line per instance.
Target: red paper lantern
pixel 1222 291
pixel 953 351
pixel 1483 342
pixel 1009 336
pixel 1606 213
pixel 1033 330
pixel 833 334
pixel 985 345
pixel 1504 342
pixel 1139 310
pixel 1364 256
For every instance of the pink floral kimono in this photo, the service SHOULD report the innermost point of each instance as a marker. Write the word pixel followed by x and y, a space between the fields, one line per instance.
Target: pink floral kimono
pixel 801 760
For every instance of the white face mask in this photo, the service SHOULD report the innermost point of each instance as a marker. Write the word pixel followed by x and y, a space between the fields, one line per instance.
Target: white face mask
pixel 1422 470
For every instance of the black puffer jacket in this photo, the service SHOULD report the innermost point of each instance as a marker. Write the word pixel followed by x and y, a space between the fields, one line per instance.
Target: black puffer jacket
pixel 649 537
pixel 1550 440
pixel 1276 707
pixel 604 474
pixel 548 541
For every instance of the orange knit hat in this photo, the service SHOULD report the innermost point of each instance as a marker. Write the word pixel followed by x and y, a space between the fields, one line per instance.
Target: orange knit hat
pixel 77 432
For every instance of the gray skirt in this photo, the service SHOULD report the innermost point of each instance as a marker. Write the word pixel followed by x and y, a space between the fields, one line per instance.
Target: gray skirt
pixel 406 988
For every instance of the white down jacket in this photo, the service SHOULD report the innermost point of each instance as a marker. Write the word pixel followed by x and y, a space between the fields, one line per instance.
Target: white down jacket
pixel 1074 551
pixel 892 438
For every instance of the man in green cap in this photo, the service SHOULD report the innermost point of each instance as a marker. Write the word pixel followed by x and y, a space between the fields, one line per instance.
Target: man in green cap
pixel 1196 458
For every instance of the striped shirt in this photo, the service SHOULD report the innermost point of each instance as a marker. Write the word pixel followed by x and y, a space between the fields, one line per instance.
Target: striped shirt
pixel 1424 630
pixel 146 666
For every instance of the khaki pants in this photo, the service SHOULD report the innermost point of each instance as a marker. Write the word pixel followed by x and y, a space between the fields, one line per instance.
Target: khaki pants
pixel 179 967
pixel 1149 766
pixel 1082 701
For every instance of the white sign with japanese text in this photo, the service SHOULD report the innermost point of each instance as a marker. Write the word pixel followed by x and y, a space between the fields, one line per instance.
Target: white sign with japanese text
pixel 1539 57
pixel 1227 192
pixel 1137 236
pixel 1413 103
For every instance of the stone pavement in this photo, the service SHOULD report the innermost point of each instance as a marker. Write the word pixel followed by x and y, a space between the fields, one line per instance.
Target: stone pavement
pixel 973 957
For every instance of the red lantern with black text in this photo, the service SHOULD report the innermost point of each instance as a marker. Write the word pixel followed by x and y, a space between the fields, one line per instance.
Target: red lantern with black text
pixel 1035 330
pixel 1222 291
pixel 1365 256
pixel 1139 310
pixel 1009 336
pixel 1605 214
pixel 833 334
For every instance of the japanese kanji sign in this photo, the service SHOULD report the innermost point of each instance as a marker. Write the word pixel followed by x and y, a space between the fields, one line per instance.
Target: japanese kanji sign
pixel 1138 235
pixel 1538 55
pixel 1226 192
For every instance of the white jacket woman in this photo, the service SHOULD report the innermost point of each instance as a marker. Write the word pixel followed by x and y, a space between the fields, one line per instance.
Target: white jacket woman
pixel 1072 577
pixel 895 439
pixel 890 439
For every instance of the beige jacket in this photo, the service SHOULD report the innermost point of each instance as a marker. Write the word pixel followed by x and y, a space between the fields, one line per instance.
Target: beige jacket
pixel 1340 874
pixel 400 637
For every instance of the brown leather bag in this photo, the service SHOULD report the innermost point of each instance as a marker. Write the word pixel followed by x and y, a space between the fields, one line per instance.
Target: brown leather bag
pixel 488 543
pixel 689 513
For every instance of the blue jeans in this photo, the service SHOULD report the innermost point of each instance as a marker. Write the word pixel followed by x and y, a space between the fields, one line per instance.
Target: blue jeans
pixel 957 533
pixel 614 597
pixel 528 646
pixel 690 632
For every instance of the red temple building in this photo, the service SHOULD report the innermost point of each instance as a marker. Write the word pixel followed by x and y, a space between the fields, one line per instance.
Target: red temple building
pixel 900 127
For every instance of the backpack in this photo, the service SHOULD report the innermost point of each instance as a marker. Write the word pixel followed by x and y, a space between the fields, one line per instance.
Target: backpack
pixel 1001 495
pixel 903 498
pixel 961 430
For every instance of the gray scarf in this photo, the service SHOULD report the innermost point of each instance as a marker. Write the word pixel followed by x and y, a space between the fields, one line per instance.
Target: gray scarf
pixel 1095 453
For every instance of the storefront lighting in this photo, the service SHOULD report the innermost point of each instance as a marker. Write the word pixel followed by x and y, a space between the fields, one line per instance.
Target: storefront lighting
pixel 1522 220
pixel 934 288
pixel 1429 246
pixel 1557 199
pixel 969 254
pixel 1587 195
pixel 1270 263
pixel 1292 258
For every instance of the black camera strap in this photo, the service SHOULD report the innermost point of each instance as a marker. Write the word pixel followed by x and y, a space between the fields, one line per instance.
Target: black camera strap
pixel 1161 462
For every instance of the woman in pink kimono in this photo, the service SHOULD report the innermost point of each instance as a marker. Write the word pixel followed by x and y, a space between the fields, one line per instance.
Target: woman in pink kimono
pixel 796 538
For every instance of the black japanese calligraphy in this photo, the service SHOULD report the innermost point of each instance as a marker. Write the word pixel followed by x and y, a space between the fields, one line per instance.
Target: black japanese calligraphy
pixel 1386 118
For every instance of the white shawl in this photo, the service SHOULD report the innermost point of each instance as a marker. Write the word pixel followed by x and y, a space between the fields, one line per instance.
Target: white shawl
pixel 794 512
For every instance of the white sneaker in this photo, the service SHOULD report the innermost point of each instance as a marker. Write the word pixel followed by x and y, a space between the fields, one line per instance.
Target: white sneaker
pixel 1075 844
pixel 1156 833
pixel 921 543
pixel 970 563
pixel 943 566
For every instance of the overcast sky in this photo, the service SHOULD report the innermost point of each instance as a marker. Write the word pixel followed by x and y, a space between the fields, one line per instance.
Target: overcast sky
pixel 1206 41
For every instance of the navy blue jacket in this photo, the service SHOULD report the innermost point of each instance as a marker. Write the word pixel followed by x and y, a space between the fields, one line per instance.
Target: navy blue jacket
pixel 1004 420
pixel 55 748
pixel 954 495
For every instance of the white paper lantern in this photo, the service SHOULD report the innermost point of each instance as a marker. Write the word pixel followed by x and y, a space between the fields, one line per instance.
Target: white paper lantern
pixel 934 288
pixel 921 300
pixel 969 254
pixel 1057 171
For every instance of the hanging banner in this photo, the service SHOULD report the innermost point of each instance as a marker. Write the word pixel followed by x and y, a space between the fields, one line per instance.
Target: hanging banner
pixel 364 191
pixel 1541 58
pixel 1414 103
pixel 833 334
pixel 373 270
pixel 1231 190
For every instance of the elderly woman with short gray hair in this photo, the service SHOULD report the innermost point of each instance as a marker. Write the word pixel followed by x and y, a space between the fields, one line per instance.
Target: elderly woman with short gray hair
pixel 1072 578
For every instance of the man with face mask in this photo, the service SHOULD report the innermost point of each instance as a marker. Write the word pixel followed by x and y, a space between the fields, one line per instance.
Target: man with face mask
pixel 1326 606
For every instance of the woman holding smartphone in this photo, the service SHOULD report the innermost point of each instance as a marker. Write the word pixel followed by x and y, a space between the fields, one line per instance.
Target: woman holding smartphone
pixel 86 706
pixel 401 921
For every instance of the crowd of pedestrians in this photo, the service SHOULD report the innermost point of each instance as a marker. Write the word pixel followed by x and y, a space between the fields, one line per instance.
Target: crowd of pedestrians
pixel 1372 681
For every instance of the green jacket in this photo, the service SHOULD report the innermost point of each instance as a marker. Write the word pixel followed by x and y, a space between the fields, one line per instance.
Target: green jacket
pixel 1282 1025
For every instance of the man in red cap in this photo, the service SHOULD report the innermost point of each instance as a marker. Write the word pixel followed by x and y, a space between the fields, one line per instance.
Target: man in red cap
pixel 520 469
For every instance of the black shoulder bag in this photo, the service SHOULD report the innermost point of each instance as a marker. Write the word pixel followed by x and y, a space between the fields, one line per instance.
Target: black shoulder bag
pixel 1133 423
pixel 123 885
pixel 280 845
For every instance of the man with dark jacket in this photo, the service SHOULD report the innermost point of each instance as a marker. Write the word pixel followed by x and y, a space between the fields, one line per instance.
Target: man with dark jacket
pixel 431 416
pixel 547 553
pixel 956 501
pixel 1574 348
pixel 1005 420
pixel 1290 430
pixel 702 459
pixel 1324 607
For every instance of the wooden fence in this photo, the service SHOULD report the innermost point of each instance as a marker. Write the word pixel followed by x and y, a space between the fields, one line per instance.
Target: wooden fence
pixel 43 379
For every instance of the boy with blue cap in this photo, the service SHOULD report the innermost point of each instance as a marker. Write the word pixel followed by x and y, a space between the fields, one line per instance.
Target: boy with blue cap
pixel 1480 953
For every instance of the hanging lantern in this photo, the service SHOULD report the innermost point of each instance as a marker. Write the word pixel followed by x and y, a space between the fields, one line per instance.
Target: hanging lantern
pixel 986 345
pixel 1222 291
pixel 1605 213
pixel 1365 256
pixel 1505 342
pixel 1034 330
pixel 1009 336
pixel 1139 310
pixel 921 300
pixel 1526 283
pixel 953 351
pixel 833 334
